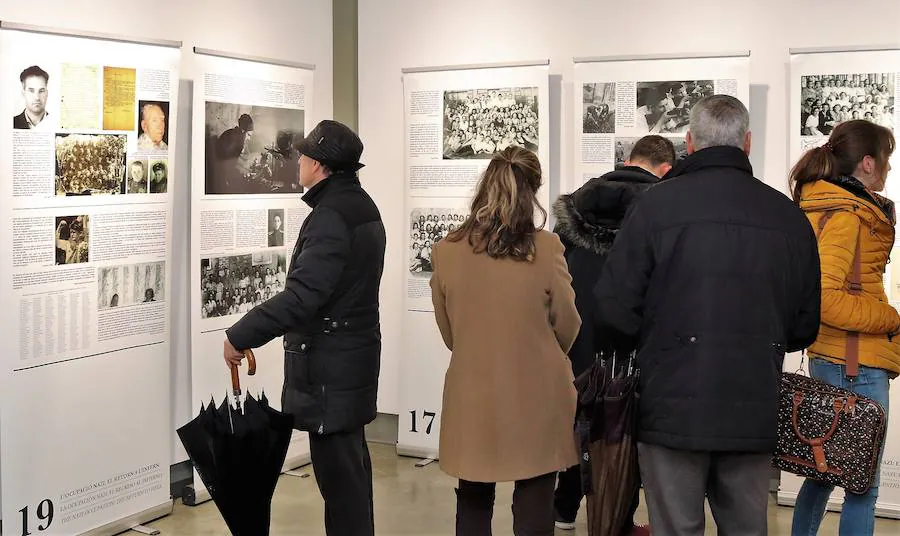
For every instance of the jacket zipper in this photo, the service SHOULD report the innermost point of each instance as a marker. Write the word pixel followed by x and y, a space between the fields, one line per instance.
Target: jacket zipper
pixel 322 422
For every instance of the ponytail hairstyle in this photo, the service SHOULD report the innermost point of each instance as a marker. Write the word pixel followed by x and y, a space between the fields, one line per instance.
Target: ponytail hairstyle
pixel 848 144
pixel 501 219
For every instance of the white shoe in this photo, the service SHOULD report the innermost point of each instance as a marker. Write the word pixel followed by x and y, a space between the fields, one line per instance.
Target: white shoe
pixel 565 525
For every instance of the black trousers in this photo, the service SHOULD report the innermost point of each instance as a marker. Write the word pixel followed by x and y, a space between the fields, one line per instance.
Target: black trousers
pixel 532 507
pixel 344 474
pixel 567 498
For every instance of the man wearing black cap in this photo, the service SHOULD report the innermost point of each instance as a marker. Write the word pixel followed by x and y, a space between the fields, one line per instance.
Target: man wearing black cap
pixel 328 315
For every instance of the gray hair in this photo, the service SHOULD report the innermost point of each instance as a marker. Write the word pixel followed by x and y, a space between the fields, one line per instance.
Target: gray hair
pixel 719 120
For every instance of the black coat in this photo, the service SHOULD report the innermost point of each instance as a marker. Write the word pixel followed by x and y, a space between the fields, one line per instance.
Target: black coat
pixel 587 221
pixel 718 274
pixel 328 311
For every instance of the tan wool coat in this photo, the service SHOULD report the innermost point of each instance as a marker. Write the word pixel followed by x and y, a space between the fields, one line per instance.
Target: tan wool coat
pixel 509 399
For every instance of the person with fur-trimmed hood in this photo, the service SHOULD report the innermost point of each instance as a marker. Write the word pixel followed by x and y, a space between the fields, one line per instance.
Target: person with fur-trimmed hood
pixel 587 222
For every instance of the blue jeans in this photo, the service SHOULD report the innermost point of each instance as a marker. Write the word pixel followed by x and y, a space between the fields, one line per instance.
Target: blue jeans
pixel 858 512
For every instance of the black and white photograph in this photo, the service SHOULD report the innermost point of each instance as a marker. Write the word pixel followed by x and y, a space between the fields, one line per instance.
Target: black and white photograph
pixel 159 176
pixel 624 147
pixel 132 284
pixel 599 108
pixel 137 177
pixel 427 227
pixel 250 149
pixel 90 164
pixel 826 101
pixel 33 84
pixel 73 238
pixel 665 107
pixel 481 122
pixel 276 227
pixel 153 126
pixel 235 284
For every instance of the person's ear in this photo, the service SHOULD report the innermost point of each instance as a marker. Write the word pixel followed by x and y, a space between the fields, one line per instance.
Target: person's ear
pixel 662 169
pixel 869 165
pixel 748 142
pixel 689 140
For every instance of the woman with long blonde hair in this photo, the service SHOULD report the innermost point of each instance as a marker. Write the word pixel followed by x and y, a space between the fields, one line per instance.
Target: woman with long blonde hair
pixel 505 307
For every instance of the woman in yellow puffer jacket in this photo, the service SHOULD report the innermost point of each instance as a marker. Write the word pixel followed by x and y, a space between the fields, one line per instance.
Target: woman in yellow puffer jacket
pixel 836 185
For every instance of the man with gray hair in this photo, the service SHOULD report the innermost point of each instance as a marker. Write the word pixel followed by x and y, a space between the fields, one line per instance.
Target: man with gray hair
pixel 717 276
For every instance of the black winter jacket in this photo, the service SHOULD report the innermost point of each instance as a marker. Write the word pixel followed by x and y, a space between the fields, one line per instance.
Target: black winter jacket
pixel 328 311
pixel 587 221
pixel 718 274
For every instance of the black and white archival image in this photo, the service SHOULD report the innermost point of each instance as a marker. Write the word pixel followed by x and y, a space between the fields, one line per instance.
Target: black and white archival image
pixel 276 227
pixel 599 108
pixel 250 149
pixel 481 122
pixel 235 284
pixel 427 227
pixel 624 146
pixel 829 100
pixel 134 284
pixel 137 177
pixel 665 107
pixel 73 238
pixel 159 176
pixel 90 164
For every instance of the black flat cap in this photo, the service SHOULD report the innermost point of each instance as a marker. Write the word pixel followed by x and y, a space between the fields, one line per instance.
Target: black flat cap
pixel 333 144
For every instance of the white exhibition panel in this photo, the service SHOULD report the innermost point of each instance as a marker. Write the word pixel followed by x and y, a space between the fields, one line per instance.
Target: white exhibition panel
pixel 441 173
pixel 881 67
pixel 85 284
pixel 233 219
pixel 617 101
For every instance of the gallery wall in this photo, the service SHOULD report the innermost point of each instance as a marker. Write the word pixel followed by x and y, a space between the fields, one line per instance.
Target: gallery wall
pixel 267 28
pixel 472 31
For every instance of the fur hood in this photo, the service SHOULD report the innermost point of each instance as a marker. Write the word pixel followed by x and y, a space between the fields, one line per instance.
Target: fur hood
pixel 590 217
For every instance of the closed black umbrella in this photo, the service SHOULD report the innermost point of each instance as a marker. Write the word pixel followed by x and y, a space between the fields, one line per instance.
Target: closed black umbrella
pixel 607 419
pixel 238 453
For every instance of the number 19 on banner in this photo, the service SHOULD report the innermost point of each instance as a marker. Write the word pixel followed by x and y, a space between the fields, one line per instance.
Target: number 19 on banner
pixel 427 421
pixel 44 516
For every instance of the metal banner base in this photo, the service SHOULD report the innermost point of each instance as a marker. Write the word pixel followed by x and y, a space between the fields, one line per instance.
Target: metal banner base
pixel 131 522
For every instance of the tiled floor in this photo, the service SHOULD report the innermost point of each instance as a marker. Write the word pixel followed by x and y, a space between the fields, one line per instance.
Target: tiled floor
pixel 409 501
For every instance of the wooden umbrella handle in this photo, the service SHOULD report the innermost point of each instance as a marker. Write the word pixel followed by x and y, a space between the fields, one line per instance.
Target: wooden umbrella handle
pixel 251 362
pixel 251 370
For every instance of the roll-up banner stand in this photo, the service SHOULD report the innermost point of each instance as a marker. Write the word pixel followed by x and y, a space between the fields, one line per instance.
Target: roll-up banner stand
pixel 445 156
pixel 86 152
pixel 246 214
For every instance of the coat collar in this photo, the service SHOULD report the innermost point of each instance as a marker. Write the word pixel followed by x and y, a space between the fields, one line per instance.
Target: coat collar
pixel 846 193
pixel 332 182
pixel 712 157
pixel 590 217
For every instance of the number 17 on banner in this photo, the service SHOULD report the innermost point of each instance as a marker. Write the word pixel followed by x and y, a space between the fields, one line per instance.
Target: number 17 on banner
pixel 427 420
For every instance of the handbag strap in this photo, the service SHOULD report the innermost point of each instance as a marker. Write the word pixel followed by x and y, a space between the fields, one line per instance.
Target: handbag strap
pixel 854 288
pixel 817 443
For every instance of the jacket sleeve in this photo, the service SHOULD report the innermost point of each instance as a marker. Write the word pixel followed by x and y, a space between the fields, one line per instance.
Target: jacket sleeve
pixel 308 286
pixel 563 315
pixel 805 326
pixel 840 309
pixel 438 299
pixel 626 275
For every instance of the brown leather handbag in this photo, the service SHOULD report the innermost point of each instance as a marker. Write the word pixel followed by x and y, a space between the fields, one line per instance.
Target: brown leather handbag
pixel 825 432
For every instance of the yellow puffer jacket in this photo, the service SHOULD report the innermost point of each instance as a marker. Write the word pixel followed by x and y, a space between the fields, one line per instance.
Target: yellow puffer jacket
pixel 869 312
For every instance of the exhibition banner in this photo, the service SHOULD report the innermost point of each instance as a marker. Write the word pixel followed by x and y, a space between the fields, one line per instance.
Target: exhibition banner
pixel 456 118
pixel 246 213
pixel 87 146
pixel 618 100
pixel 829 87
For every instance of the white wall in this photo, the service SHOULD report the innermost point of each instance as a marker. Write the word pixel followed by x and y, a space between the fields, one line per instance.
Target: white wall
pixel 298 30
pixel 394 34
